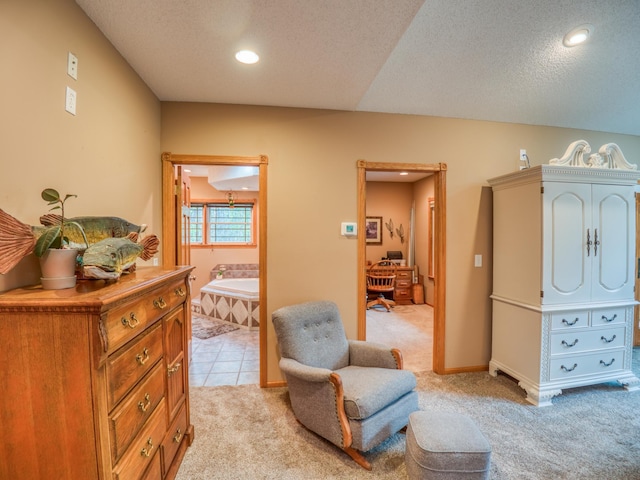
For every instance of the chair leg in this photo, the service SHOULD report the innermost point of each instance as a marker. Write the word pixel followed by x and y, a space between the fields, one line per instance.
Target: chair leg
pixel 358 457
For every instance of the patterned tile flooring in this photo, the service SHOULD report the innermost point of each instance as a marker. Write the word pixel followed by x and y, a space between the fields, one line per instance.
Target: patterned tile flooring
pixel 229 359
pixel 233 358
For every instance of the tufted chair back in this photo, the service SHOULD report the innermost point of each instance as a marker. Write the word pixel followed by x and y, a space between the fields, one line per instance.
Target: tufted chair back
pixel 312 334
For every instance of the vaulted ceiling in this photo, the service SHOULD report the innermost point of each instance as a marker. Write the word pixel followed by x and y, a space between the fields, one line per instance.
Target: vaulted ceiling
pixel 498 60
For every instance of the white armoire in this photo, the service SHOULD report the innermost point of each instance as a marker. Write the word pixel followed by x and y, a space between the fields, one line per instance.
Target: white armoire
pixel 564 273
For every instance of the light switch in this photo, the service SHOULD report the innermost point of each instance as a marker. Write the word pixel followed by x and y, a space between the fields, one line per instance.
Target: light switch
pixel 478 261
pixel 70 102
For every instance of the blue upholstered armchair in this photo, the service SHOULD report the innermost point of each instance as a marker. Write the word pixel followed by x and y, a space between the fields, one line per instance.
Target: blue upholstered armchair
pixel 352 393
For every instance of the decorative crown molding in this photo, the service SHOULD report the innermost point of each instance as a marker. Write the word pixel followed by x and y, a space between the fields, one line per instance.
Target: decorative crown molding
pixel 608 156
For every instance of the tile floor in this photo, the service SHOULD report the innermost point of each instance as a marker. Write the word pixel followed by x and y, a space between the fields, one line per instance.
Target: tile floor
pixel 233 358
pixel 229 359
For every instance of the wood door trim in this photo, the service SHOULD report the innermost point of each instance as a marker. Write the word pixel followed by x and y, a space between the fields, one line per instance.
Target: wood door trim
pixel 439 170
pixel 169 160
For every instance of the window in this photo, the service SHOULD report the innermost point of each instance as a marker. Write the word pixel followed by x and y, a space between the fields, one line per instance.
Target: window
pixel 216 223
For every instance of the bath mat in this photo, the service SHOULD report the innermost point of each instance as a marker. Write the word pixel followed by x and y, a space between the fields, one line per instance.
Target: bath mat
pixel 204 328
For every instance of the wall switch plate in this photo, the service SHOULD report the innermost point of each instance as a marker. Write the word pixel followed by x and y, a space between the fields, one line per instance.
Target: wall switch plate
pixel 523 155
pixel 70 102
pixel 72 66
pixel 477 261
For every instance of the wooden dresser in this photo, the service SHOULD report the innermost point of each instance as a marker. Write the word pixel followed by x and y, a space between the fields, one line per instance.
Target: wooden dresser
pixel 95 378
pixel 403 291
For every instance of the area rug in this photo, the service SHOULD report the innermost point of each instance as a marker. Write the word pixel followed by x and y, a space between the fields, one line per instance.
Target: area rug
pixel 204 328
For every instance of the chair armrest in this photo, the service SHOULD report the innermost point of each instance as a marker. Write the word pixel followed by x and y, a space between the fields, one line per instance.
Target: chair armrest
pixel 370 354
pixel 317 399
pixel 303 372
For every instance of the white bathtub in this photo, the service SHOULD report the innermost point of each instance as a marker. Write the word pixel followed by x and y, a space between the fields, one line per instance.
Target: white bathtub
pixel 233 300
pixel 247 287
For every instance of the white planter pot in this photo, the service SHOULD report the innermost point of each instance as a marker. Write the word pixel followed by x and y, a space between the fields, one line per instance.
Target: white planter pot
pixel 58 268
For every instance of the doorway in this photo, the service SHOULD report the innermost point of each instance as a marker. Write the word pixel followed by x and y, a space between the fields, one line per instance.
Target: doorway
pixel 439 216
pixel 172 235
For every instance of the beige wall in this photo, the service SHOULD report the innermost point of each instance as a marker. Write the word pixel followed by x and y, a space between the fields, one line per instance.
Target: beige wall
pixel 205 258
pixel 424 191
pixel 108 153
pixel 391 201
pixel 312 187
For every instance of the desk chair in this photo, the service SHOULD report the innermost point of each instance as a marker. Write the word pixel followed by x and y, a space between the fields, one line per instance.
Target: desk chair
pixel 381 279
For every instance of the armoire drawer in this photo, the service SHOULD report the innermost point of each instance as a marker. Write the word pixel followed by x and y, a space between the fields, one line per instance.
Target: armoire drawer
pixel 583 341
pixel 132 362
pixel 144 448
pixel 128 320
pixel 611 316
pixel 570 320
pixel 127 419
pixel 600 363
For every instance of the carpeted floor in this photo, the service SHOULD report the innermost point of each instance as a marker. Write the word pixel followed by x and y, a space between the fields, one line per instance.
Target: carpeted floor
pixel 590 433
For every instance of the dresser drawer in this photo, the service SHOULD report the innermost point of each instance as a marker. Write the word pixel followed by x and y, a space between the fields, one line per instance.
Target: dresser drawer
pixel 128 320
pixel 132 362
pixel 570 320
pixel 600 363
pixel 174 436
pixel 154 472
pixel 134 410
pixel 582 341
pixel 609 316
pixel 144 448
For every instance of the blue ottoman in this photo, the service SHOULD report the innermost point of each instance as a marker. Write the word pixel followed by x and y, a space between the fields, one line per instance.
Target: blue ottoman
pixel 446 446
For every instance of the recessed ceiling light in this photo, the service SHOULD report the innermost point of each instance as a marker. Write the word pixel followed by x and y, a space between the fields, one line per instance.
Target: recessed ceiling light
pixel 404 173
pixel 577 36
pixel 247 56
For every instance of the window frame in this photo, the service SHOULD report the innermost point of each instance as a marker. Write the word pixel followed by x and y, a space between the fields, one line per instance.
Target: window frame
pixel 205 223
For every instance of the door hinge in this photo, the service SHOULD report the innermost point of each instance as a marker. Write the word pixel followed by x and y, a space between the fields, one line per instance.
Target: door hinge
pixel 541 189
pixel 541 293
pixel 176 189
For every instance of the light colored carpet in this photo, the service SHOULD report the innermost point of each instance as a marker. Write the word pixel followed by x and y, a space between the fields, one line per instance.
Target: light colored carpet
pixel 407 327
pixel 204 328
pixel 590 433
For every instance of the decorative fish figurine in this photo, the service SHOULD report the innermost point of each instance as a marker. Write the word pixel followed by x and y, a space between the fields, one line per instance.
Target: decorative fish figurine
pixel 111 257
pixel 18 239
pixel 95 228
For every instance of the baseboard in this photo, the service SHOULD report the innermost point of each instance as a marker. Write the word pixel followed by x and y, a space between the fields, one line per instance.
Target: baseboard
pixel 477 368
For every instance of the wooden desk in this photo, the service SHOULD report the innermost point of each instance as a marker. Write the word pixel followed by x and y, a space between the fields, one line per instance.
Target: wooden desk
pixel 403 291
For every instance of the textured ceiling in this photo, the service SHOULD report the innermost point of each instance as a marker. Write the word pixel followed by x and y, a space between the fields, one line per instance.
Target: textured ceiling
pixel 500 60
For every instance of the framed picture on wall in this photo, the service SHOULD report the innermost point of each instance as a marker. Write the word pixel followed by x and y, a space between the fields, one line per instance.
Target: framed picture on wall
pixel 373 230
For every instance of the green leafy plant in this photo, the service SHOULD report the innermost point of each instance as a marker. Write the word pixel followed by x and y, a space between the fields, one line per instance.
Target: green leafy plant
pixel 53 236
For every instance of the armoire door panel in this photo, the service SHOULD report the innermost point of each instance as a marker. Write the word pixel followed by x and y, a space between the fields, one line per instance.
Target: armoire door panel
pixel 567 216
pixel 613 220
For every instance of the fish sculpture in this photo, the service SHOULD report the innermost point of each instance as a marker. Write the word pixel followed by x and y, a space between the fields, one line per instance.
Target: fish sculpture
pixel 111 257
pixel 18 239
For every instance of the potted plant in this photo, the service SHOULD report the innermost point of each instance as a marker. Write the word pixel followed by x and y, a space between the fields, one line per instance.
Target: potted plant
pixel 57 259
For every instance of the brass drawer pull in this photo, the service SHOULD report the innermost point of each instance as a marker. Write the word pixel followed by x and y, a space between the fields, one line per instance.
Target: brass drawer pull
pixel 605 340
pixel 146 452
pixel 174 369
pixel 569 324
pixel 609 319
pixel 605 364
pixel 142 406
pixel 571 369
pixel 180 292
pixel 159 303
pixel 142 358
pixel 569 345
pixel 178 436
pixel 131 322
